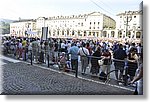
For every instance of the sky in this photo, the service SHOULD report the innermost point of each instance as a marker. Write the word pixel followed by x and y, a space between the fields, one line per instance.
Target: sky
pixel 32 9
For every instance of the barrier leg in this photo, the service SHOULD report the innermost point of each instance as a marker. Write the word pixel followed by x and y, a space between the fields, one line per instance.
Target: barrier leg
pixel 25 55
pixel 126 76
pixel 76 74
pixel 48 60
pixel 31 57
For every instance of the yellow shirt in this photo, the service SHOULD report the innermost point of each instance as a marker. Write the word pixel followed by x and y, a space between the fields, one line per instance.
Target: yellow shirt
pixel 24 42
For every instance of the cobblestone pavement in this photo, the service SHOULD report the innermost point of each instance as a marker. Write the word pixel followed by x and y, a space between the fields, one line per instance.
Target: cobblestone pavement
pixel 22 78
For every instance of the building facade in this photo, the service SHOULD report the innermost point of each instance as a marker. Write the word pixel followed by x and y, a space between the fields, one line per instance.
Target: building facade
pixel 40 22
pixel 95 25
pixel 23 27
pixel 88 26
pixel 129 25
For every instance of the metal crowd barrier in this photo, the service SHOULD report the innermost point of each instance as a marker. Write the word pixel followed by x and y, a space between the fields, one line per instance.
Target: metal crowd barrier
pixel 48 54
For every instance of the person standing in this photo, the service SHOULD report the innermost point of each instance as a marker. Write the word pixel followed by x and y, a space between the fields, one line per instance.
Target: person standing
pixel 139 77
pixel 74 56
pixel 84 53
pixel 94 62
pixel 20 47
pixel 107 61
pixel 41 53
pixel 139 49
pixel 55 51
pixel 132 62
pixel 119 54
pixel 63 45
pixel 35 49
pixel 24 44
pixel 90 52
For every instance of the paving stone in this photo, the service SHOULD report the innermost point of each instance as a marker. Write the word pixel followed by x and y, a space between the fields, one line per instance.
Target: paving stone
pixel 21 78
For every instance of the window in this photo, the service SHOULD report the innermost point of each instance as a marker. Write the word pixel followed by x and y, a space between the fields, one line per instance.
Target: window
pixel 63 32
pixel 72 32
pixel 79 33
pixel 49 32
pixel 112 33
pixel 119 34
pixel 129 34
pixel 58 33
pixel 89 33
pixel 67 32
pixel 104 33
pixel 90 23
pixel 138 34
pixel 93 33
pixel 134 16
pixel 97 34
pixel 84 33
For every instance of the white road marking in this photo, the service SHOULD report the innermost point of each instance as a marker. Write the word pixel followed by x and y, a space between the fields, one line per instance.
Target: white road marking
pixel 2 63
pixel 9 59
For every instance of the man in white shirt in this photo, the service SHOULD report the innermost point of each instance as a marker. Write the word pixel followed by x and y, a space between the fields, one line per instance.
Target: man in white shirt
pixel 84 53
pixel 63 46
pixel 139 49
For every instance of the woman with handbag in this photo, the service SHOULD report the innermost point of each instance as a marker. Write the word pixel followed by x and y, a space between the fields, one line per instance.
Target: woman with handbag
pixel 94 62
pixel 107 61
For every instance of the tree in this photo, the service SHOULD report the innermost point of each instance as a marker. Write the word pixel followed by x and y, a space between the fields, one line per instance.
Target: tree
pixel 5 27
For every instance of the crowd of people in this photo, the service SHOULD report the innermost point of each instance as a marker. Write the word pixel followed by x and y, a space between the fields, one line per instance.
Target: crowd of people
pixel 87 51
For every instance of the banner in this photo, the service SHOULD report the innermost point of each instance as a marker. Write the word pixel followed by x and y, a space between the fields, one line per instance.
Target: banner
pixel 44 33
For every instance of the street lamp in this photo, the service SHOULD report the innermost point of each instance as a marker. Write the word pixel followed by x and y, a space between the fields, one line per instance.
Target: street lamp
pixel 127 19
pixel 134 32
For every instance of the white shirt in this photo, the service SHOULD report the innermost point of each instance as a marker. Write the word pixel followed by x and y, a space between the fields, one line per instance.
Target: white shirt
pixel 63 45
pixel 139 49
pixel 83 51
pixel 20 45
pixel 78 44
